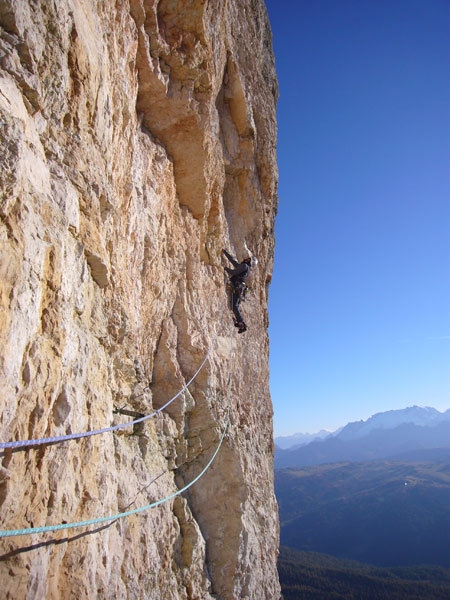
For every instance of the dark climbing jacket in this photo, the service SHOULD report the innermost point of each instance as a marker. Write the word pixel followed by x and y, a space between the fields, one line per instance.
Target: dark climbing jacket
pixel 240 271
pixel 238 288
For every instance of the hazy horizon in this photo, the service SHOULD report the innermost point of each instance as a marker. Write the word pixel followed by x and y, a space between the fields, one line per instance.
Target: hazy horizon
pixel 323 429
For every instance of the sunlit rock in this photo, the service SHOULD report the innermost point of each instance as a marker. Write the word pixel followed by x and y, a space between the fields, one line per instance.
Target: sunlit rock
pixel 138 140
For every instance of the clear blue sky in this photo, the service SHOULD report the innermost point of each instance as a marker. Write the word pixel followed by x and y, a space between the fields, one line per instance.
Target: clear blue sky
pixel 360 298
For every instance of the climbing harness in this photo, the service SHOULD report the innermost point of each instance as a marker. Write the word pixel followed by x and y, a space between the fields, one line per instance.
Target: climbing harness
pixel 238 287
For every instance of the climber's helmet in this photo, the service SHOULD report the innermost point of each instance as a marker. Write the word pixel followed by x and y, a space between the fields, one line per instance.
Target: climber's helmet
pixel 251 261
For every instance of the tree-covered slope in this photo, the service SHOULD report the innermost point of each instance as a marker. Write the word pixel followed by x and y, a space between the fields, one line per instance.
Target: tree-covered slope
pixel 384 513
pixel 312 576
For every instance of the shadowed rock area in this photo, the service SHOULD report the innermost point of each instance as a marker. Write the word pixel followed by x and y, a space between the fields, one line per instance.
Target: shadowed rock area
pixel 138 139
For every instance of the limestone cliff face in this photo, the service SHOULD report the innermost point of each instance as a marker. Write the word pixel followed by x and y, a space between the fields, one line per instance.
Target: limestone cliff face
pixel 137 140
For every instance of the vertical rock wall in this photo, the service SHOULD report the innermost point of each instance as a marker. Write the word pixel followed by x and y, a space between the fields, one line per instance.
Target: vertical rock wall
pixel 137 140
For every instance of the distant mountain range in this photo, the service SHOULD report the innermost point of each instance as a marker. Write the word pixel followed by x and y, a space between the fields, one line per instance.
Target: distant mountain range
pixel 392 434
pixel 300 439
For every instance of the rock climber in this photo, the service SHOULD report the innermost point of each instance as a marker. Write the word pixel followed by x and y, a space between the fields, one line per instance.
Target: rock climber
pixel 238 275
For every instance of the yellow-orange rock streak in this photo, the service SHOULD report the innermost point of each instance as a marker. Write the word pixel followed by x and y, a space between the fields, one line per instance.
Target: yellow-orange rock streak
pixel 137 140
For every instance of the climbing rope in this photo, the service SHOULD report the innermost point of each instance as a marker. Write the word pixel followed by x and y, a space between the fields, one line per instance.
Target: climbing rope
pixel 76 436
pixel 99 520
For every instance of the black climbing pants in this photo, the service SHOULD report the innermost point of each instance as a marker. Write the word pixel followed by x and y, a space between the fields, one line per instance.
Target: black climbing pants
pixel 236 296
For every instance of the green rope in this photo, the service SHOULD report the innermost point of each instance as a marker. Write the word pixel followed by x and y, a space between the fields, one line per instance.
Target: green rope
pixel 98 520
